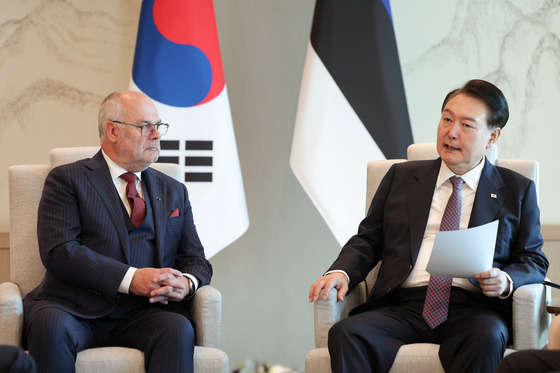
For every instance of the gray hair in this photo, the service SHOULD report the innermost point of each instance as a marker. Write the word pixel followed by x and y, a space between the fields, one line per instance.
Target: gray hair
pixel 110 109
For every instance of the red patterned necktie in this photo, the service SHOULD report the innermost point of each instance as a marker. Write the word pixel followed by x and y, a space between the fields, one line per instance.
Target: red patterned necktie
pixel 439 288
pixel 137 204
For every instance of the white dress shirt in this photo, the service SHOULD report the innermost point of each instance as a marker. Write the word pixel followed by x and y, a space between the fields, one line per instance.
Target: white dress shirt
pixel 442 192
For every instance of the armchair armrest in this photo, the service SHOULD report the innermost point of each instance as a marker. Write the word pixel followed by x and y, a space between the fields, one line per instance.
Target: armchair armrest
pixel 206 309
pixel 530 318
pixel 329 311
pixel 11 314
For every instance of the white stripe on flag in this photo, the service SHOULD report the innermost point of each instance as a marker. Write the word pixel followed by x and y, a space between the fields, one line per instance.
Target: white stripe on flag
pixel 330 150
pixel 219 207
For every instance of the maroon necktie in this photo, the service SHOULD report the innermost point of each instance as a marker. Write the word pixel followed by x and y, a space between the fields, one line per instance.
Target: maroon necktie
pixel 439 288
pixel 137 204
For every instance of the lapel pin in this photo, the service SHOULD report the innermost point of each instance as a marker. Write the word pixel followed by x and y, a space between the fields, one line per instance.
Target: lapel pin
pixel 158 198
pixel 492 195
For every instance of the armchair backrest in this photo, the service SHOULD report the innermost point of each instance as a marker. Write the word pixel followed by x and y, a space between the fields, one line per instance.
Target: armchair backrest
pixel 25 189
pixel 26 186
pixel 60 156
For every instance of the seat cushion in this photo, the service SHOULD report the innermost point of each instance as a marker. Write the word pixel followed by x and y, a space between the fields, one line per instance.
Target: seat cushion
pixel 130 360
pixel 110 359
pixel 417 357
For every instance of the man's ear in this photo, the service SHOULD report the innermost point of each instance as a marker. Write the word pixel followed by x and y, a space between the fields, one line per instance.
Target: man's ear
pixel 112 131
pixel 494 136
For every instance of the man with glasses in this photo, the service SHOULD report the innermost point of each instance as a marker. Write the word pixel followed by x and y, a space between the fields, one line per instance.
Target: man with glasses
pixel 121 251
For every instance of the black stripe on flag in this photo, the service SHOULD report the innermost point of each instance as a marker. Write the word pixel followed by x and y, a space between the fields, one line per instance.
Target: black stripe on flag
pixel 169 144
pixel 356 42
pixel 198 161
pixel 198 145
pixel 166 159
pixel 198 176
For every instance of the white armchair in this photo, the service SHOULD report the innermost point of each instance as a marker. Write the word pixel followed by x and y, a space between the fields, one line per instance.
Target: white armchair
pixel 27 271
pixel 530 318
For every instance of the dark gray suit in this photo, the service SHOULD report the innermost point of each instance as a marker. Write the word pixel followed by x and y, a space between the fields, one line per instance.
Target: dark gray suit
pixel 393 229
pixel 83 233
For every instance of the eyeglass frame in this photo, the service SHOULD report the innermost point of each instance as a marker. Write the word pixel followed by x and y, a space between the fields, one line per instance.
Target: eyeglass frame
pixel 142 127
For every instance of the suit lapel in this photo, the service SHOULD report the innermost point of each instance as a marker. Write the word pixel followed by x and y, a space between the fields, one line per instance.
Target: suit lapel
pixel 420 194
pixel 158 198
pixel 488 199
pixel 100 178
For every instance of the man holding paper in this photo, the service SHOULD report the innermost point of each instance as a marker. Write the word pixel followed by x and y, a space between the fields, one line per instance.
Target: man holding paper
pixel 469 318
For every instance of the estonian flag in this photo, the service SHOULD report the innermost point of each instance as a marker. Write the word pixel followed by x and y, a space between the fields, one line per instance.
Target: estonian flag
pixel 177 64
pixel 352 108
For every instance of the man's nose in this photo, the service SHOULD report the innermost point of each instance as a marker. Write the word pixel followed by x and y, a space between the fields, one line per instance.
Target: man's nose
pixel 155 134
pixel 454 130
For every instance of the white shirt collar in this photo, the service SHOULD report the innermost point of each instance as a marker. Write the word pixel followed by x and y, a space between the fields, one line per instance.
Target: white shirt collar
pixel 470 178
pixel 116 170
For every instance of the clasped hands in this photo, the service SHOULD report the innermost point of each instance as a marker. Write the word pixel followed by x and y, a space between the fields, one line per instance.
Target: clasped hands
pixel 493 283
pixel 161 285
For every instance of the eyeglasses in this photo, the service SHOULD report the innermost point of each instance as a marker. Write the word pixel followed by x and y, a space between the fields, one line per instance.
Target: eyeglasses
pixel 147 129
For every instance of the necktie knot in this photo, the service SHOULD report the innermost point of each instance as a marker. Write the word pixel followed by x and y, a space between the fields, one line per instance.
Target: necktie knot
pixel 129 177
pixel 457 182
pixel 452 214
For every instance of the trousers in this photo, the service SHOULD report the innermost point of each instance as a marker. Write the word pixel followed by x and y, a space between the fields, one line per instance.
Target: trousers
pixel 472 339
pixel 54 338
pixel 542 361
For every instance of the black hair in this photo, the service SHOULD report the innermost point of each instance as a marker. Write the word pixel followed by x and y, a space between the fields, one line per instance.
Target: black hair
pixel 498 111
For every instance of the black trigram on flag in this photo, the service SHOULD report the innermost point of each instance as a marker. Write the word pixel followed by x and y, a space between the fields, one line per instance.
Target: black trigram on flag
pixel 194 155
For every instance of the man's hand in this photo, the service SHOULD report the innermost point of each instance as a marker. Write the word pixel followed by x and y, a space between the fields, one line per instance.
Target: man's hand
pixel 160 284
pixel 335 280
pixel 493 282
pixel 174 290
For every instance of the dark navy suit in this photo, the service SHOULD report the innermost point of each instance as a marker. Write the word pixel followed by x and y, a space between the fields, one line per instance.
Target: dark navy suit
pixel 14 360
pixel 84 238
pixel 393 230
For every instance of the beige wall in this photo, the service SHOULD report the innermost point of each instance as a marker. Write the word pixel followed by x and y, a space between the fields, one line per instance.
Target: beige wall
pixel 59 58
pixel 551 248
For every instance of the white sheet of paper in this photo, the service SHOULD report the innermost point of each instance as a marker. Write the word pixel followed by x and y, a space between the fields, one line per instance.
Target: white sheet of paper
pixel 463 253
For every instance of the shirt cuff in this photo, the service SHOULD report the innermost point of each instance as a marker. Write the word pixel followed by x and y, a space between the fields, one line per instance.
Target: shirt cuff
pixel 510 290
pixel 339 271
pixel 124 287
pixel 194 283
